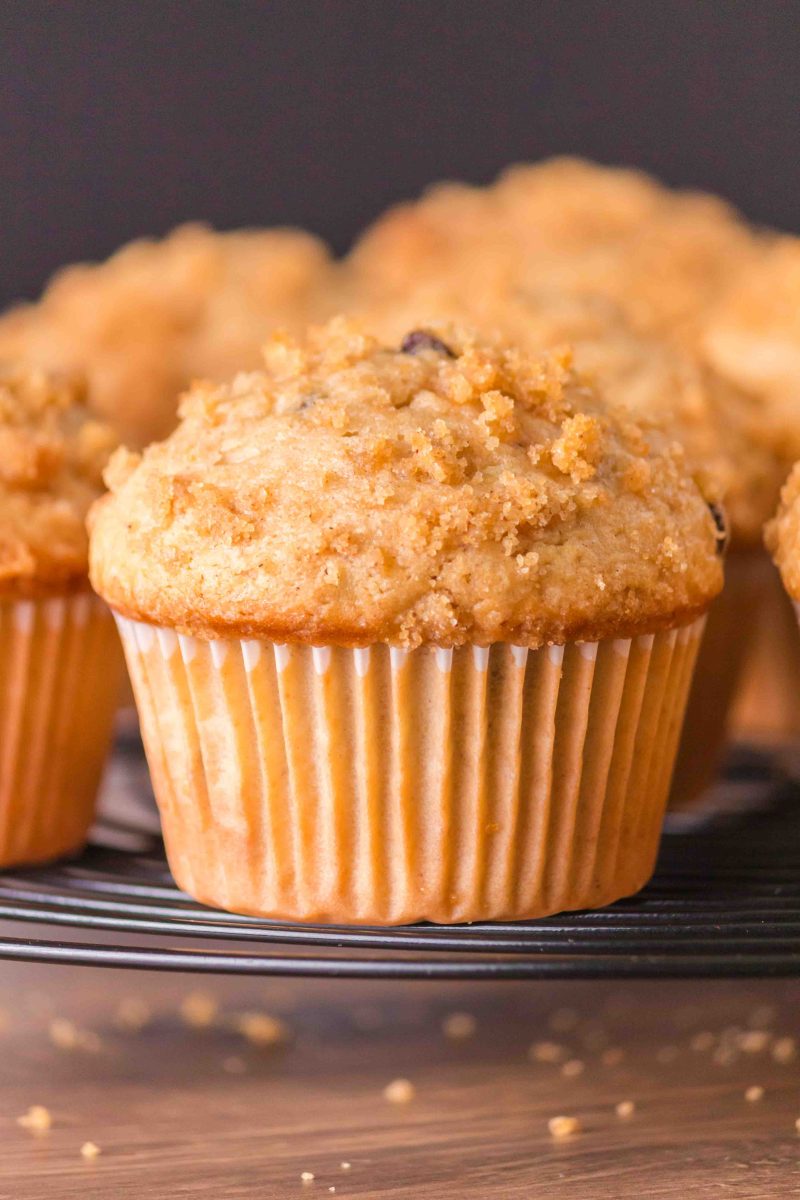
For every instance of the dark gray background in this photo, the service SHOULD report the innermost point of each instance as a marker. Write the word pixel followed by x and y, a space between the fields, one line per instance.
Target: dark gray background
pixel 123 117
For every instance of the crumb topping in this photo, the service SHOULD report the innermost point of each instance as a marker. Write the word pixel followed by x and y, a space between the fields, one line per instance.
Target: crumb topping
pixel 52 455
pixel 355 493
pixel 782 534
pixel 158 314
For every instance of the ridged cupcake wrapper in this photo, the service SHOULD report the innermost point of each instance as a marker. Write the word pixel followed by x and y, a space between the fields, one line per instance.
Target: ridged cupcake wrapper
pixel 60 672
pixel 727 642
pixel 382 786
pixel 767 708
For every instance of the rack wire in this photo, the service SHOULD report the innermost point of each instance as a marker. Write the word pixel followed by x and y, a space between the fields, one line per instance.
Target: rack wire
pixel 725 901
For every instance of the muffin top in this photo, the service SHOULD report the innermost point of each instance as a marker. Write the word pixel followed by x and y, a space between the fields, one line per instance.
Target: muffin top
pixel 52 455
pixel 158 314
pixel 661 254
pixel 752 337
pixel 719 425
pixel 566 224
pixel 782 534
pixel 447 491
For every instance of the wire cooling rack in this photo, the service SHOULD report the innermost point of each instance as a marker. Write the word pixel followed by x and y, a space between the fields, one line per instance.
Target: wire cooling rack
pixel 725 901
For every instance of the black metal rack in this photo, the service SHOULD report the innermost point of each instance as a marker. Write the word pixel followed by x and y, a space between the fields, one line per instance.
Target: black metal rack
pixel 725 901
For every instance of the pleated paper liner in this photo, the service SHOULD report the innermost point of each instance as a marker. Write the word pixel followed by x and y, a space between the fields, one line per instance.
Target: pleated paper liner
pixel 767 709
pixel 60 672
pixel 727 644
pixel 379 786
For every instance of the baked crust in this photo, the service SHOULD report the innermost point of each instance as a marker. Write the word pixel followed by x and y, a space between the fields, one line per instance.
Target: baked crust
pixel 719 425
pixel 611 261
pixel 52 454
pixel 158 314
pixel 782 534
pixel 457 491
pixel 752 337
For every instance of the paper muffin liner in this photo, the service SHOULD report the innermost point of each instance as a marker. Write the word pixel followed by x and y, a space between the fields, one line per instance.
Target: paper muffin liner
pixel 767 708
pixel 722 661
pixel 380 786
pixel 60 673
pixel 383 786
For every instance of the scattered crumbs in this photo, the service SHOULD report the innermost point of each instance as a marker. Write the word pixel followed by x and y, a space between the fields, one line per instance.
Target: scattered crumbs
pixel 261 1029
pixel 458 1026
pixel 399 1091
pixel 563 1020
pixel 133 1014
pixel 90 1150
pixel 762 1014
pixel 625 1109
pixel 666 1054
pixel 563 1127
pixel 753 1041
pixel 572 1068
pixel 307 1176
pixel 612 1057
pixel 63 1033
pixel 332 1188
pixel 754 1094
pixel 702 1041
pixel 66 1035
pixel 234 1065
pixel 199 1010
pixel 784 1049
pixel 345 1166
pixel 546 1052
pixel 37 1119
pixel 723 1056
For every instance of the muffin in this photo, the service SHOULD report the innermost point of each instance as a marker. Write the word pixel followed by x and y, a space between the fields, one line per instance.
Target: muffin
pixel 565 225
pixel 410 630
pixel 158 314
pixel 782 535
pixel 717 424
pixel 752 338
pixel 61 663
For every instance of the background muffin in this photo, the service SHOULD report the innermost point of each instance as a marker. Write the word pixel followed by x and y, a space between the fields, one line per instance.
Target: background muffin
pixel 410 630
pixel 783 535
pixel 60 665
pixel 627 271
pixel 158 314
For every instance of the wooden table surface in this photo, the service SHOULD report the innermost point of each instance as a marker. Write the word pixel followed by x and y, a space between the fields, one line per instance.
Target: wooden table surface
pixel 183 1111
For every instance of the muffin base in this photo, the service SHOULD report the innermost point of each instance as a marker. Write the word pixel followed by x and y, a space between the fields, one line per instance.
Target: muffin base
pixel 767 708
pixel 722 661
pixel 379 786
pixel 60 673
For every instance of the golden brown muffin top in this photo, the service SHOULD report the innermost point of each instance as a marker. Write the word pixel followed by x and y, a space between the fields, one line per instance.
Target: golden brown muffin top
pixel 52 455
pixel 782 534
pixel 752 337
pixel 719 426
pixel 661 254
pixel 566 224
pixel 159 314
pixel 447 491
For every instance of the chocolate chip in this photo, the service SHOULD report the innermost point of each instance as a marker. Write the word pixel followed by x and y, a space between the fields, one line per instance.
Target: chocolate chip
pixel 420 339
pixel 722 527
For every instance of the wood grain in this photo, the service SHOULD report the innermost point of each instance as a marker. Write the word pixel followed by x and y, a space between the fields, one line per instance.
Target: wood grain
pixel 184 1112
